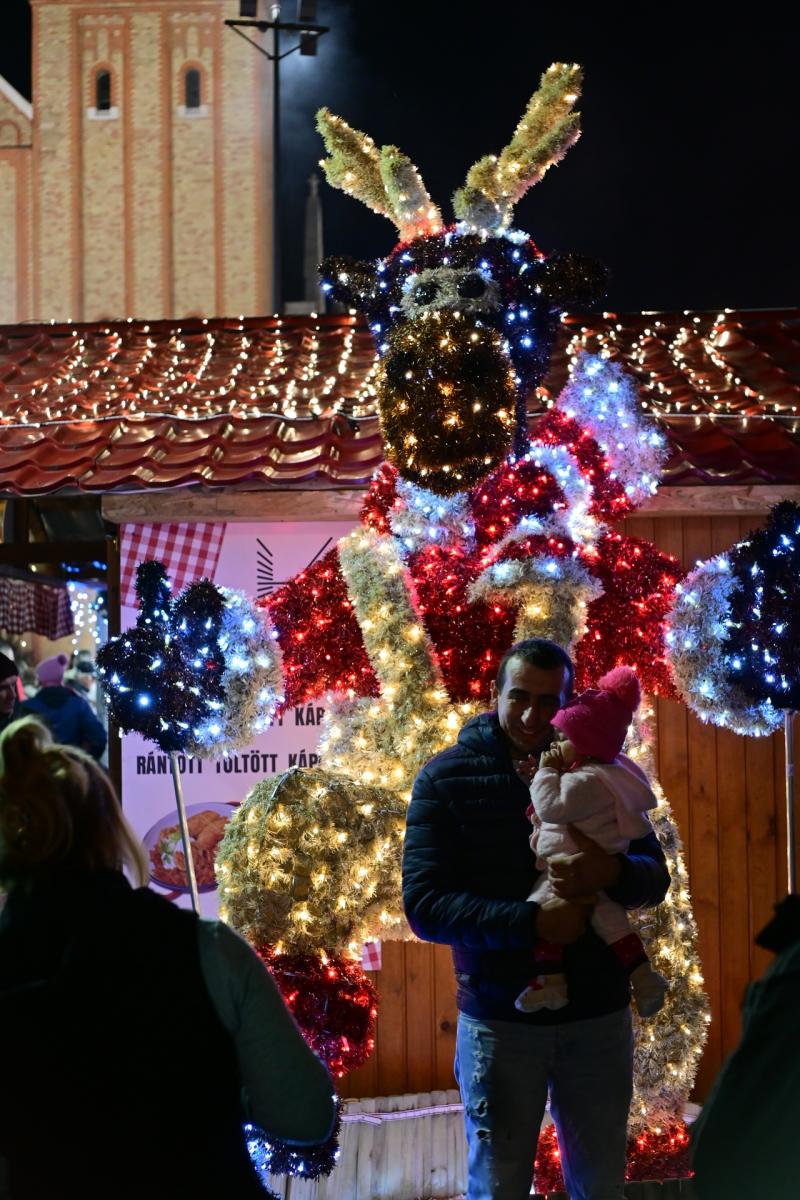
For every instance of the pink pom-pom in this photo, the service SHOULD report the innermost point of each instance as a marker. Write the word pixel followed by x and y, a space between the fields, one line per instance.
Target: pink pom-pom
pixel 623 683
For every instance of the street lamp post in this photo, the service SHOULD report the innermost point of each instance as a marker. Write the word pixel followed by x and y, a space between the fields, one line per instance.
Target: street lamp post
pixel 308 31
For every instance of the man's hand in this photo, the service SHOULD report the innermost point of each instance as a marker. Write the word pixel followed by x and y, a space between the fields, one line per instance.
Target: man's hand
pixel 561 922
pixel 526 767
pixel 575 876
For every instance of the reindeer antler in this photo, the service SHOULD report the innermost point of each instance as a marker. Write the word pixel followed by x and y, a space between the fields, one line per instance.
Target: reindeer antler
pixel 548 128
pixel 386 180
pixel 414 210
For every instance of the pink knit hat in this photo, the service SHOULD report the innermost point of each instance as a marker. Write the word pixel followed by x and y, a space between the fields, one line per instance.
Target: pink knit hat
pixel 597 721
pixel 50 671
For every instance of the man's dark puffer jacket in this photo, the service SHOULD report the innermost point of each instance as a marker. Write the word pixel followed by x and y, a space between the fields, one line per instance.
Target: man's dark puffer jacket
pixel 468 868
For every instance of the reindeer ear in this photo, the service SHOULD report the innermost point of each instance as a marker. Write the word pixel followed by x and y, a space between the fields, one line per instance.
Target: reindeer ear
pixel 349 280
pixel 572 282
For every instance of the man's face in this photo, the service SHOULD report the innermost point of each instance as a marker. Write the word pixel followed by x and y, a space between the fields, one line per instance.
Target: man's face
pixel 8 694
pixel 529 699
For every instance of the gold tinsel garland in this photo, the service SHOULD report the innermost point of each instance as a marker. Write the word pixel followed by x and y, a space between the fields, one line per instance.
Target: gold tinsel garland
pixel 415 212
pixel 309 864
pixel 387 739
pixel 669 1045
pixel 389 183
pixel 354 163
pixel 551 596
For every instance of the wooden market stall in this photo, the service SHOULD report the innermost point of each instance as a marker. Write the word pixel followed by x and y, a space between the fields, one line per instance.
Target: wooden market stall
pixel 257 420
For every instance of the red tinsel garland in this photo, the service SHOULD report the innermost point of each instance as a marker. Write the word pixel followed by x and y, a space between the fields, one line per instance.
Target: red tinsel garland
pixel 656 1154
pixel 507 494
pixel 380 499
pixel 319 635
pixel 470 639
pixel 333 1002
pixel 625 625
pixel 609 501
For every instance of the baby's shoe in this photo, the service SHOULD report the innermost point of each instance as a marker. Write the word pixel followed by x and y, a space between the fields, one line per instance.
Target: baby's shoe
pixel 649 989
pixel 546 991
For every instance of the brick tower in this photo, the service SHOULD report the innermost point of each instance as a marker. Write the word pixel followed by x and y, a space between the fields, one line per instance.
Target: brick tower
pixel 137 182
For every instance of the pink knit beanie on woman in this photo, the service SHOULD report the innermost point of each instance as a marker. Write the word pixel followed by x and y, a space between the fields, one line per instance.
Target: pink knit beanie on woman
pixel 50 671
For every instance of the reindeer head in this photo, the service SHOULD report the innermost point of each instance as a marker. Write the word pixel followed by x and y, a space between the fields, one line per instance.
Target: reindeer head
pixel 464 315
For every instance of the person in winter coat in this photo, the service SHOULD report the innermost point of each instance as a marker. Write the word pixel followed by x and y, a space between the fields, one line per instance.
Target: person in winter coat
pixel 587 782
pixel 69 716
pixel 467 875
pixel 130 1030
pixel 9 704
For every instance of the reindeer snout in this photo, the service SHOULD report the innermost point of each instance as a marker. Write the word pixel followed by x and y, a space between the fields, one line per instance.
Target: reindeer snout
pixel 447 400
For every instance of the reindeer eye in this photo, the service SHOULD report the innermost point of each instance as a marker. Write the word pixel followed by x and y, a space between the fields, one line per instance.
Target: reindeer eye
pixel 471 286
pixel 425 293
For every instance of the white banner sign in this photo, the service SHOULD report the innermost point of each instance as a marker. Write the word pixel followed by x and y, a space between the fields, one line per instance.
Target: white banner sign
pixel 255 558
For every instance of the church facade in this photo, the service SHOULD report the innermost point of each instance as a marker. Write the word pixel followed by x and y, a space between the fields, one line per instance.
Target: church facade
pixel 137 180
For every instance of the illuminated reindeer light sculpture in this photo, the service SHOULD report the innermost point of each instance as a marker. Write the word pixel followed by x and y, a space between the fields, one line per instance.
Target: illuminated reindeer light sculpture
pixel 472 536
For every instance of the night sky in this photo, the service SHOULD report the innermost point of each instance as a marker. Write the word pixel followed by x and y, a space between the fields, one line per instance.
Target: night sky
pixel 680 183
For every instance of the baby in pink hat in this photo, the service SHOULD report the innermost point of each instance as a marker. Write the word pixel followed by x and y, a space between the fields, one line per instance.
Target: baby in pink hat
pixel 588 782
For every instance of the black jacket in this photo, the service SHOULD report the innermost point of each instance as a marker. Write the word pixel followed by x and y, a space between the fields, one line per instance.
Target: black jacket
pixel 70 718
pixel 119 1079
pixel 468 868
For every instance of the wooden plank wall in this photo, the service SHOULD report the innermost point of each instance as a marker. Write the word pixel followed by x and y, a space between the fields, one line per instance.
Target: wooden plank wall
pixel 727 794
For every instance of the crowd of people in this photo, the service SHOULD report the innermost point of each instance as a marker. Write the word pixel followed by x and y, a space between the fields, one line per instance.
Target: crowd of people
pixel 62 698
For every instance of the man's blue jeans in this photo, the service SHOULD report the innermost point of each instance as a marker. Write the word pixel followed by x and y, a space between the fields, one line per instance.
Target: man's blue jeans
pixel 505 1069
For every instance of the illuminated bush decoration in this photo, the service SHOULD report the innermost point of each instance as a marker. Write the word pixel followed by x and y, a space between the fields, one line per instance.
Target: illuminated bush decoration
pixel 435 431
pixel 251 681
pixel 198 674
pixel 762 647
pixel 308 864
pixel 696 639
pixel 163 678
pixel 332 1001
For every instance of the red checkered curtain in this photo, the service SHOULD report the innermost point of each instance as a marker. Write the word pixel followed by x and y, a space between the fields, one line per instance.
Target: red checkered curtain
pixel 188 552
pixel 371 956
pixel 27 607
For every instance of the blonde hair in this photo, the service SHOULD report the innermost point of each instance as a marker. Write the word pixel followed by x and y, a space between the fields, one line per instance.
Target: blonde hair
pixel 58 807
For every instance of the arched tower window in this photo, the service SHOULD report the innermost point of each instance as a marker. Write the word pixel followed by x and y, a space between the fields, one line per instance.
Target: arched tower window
pixel 102 91
pixel 192 91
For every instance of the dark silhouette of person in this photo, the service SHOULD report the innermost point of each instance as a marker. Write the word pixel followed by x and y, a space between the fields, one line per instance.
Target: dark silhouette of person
pixel 745 1140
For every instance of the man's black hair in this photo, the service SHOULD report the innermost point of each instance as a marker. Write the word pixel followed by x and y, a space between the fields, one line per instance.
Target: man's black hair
pixel 538 652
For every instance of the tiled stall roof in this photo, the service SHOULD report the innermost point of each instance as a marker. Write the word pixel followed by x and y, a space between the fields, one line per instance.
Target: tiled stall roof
pixel 132 406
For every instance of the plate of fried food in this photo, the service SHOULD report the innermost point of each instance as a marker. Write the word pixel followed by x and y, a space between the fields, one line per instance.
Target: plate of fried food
pixel 165 848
